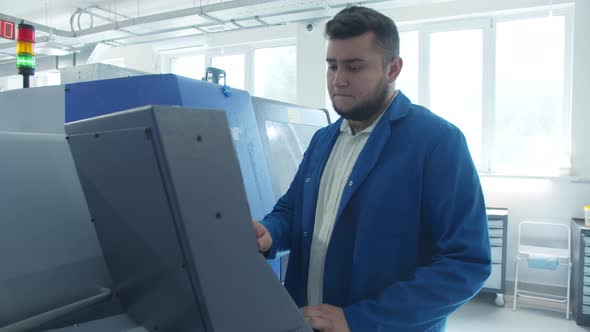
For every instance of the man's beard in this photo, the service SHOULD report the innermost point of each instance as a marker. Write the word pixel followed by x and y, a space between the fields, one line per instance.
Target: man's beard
pixel 368 108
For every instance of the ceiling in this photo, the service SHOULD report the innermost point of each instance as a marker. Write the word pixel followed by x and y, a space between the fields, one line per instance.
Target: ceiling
pixel 73 24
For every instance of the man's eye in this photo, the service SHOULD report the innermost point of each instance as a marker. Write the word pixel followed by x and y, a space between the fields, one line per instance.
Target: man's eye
pixel 354 68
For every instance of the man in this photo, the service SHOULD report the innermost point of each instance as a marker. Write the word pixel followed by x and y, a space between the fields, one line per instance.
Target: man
pixel 385 218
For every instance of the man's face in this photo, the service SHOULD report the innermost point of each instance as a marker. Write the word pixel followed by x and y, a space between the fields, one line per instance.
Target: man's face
pixel 358 83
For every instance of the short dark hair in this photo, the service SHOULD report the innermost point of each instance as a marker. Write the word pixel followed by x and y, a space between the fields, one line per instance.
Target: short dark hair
pixel 354 21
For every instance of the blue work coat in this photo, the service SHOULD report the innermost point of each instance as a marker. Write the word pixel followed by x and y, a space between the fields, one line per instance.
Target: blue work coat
pixel 410 244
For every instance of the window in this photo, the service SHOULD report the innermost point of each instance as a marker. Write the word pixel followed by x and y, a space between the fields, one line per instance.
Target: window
pixel 504 81
pixel 189 66
pixel 456 65
pixel 275 73
pixel 530 129
pixel 407 81
pixel 265 69
pixel 234 66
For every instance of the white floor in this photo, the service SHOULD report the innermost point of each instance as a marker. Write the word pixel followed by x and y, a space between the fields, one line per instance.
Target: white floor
pixel 482 315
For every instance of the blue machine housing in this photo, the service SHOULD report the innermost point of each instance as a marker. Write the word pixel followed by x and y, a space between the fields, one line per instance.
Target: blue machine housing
pixel 96 98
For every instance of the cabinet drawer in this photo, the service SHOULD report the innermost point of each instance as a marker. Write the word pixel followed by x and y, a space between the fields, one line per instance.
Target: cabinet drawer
pixel 586 290
pixel 497 255
pixel 495 279
pixel 496 241
pixel 585 309
pixel 495 224
pixel 586 300
pixel 496 233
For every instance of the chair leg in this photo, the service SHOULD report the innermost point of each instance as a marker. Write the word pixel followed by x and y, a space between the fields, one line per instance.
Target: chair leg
pixel 515 284
pixel 569 277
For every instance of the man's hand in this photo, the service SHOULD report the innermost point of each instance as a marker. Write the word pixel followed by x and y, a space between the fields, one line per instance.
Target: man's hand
pixel 325 318
pixel 263 238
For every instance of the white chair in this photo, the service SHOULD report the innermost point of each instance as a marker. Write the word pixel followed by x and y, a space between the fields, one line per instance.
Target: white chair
pixel 544 245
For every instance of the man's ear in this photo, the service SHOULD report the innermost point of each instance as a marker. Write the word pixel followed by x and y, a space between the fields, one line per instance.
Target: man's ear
pixel 394 68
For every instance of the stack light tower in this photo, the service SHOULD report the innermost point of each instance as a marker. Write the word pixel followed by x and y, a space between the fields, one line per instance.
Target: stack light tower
pixel 25 52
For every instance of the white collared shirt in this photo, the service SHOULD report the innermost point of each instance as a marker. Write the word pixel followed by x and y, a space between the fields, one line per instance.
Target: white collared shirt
pixel 334 179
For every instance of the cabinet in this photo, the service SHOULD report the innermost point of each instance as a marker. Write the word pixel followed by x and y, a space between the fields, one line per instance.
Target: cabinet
pixel 580 288
pixel 498 229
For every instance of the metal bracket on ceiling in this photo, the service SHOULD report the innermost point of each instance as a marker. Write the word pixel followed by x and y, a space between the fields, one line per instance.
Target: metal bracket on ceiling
pixel 211 18
pixel 257 18
pixel 232 21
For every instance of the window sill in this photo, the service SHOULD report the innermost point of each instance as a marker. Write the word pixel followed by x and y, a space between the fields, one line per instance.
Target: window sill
pixel 562 178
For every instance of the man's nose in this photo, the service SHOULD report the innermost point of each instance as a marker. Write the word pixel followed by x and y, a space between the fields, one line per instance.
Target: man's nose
pixel 340 79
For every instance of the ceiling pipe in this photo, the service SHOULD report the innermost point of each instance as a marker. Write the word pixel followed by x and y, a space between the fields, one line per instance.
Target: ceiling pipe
pixel 259 18
pixel 110 12
pixel 170 15
pixel 200 11
pixel 88 11
pixel 140 20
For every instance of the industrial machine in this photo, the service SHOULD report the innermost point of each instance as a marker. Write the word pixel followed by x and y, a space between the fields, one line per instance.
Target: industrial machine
pixel 54 271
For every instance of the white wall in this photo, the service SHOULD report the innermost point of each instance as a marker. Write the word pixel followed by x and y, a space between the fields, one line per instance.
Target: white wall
pixel 311 65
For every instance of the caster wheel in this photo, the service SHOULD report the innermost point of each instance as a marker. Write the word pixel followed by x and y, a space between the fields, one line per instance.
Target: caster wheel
pixel 500 300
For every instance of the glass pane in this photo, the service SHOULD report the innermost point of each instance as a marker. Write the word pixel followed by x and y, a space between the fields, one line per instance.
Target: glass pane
pixel 456 70
pixel 288 142
pixel 407 81
pixel 275 73
pixel 234 69
pixel 529 128
pixel 189 66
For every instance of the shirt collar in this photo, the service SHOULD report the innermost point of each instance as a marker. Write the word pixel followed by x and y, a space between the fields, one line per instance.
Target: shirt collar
pixel 345 127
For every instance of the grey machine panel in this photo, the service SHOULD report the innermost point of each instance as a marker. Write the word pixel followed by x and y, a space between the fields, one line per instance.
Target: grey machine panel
pixel 49 253
pixel 36 110
pixel 95 71
pixel 165 192
pixel 117 323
